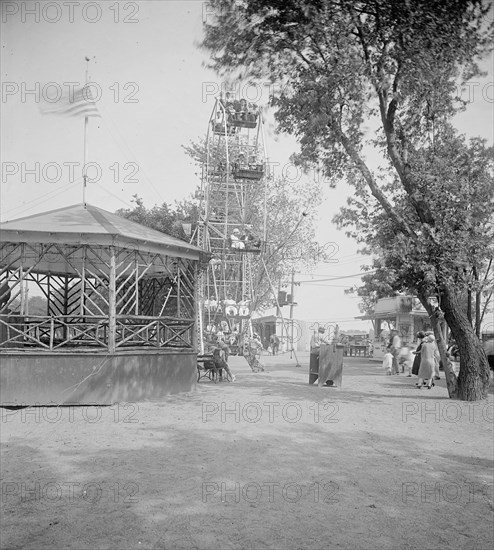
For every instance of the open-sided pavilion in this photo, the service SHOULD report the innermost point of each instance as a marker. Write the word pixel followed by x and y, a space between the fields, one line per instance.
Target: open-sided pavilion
pixel 120 309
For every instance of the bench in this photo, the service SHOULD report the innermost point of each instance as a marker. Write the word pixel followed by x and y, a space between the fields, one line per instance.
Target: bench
pixel 206 368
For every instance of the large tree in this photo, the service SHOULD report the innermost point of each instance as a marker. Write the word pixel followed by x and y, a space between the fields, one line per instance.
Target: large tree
pixel 347 68
pixel 164 218
pixel 459 191
pixel 463 191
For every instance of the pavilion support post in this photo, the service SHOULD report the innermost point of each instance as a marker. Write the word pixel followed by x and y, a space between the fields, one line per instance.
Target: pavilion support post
pixel 112 302
pixel 179 293
pixel 197 329
pixel 65 306
pixel 83 281
pixel 136 260
pixel 52 332
pixel 21 280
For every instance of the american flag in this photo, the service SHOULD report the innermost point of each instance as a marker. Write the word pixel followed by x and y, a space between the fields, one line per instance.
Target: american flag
pixel 79 103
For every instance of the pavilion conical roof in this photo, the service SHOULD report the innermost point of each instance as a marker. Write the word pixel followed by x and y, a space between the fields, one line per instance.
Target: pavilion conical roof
pixel 88 224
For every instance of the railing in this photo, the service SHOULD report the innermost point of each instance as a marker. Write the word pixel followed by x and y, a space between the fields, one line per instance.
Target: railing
pixel 161 332
pixel 65 332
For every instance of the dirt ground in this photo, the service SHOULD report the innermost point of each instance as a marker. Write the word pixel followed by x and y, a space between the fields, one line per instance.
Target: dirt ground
pixel 265 462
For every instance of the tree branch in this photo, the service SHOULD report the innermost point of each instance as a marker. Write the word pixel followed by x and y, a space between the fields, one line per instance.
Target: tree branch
pixel 377 193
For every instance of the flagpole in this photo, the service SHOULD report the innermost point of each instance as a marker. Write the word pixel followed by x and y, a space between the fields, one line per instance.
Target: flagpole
pixel 86 123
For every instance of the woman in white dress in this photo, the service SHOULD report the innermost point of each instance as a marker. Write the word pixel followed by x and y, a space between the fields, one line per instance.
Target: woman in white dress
pixel 429 357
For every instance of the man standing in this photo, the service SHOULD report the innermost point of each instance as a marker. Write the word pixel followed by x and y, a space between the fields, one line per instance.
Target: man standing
pixel 317 339
pixel 275 343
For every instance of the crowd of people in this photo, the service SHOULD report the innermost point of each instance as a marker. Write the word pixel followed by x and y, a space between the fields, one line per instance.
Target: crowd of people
pixel 251 163
pixel 238 111
pixel 219 345
pixel 229 306
pixel 241 162
pixel 221 332
pixel 424 361
pixel 235 113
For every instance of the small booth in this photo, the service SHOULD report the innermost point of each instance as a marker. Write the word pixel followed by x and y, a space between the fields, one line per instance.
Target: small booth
pixel 327 369
pixel 402 313
pixel 120 311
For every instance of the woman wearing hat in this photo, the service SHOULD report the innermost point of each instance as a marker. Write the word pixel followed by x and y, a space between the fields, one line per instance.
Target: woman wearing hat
pixel 235 238
pixel 429 355
pixel 416 362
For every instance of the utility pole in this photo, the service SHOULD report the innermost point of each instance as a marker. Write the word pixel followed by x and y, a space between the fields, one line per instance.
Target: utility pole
pixel 86 123
pixel 292 289
pixel 279 309
pixel 292 305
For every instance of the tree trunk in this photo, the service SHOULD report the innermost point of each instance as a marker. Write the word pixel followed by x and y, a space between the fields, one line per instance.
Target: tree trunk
pixel 449 373
pixel 473 380
pixel 477 302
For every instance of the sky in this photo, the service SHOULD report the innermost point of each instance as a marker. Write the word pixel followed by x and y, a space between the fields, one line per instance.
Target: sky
pixel 155 96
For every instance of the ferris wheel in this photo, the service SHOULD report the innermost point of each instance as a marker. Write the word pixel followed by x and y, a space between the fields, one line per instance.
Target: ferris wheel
pixel 232 222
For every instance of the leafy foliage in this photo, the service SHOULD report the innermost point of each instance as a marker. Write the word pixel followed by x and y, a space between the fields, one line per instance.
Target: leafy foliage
pixel 163 218
pixel 389 69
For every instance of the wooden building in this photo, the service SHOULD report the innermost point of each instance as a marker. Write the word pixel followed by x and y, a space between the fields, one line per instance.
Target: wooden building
pixel 120 315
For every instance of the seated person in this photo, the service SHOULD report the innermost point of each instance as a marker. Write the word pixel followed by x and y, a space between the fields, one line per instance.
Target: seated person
pixel 211 305
pixel 230 109
pixel 241 162
pixel 243 308
pixel 236 242
pixel 214 262
pixel 237 105
pixel 250 240
pixel 231 310
pixel 251 112
pixel 230 306
pixel 220 363
pixel 242 111
pixel 221 352
pixel 219 119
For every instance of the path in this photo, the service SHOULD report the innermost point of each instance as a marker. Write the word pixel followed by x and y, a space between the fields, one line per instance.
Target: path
pixel 266 462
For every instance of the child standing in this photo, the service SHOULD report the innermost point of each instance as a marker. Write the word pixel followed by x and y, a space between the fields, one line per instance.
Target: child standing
pixel 406 360
pixel 388 361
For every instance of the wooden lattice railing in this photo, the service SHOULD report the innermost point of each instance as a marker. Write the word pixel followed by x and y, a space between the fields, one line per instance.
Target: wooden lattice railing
pixel 92 332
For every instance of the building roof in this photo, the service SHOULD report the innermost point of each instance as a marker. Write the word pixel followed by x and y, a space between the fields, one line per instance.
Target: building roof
pixel 390 308
pixel 79 224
